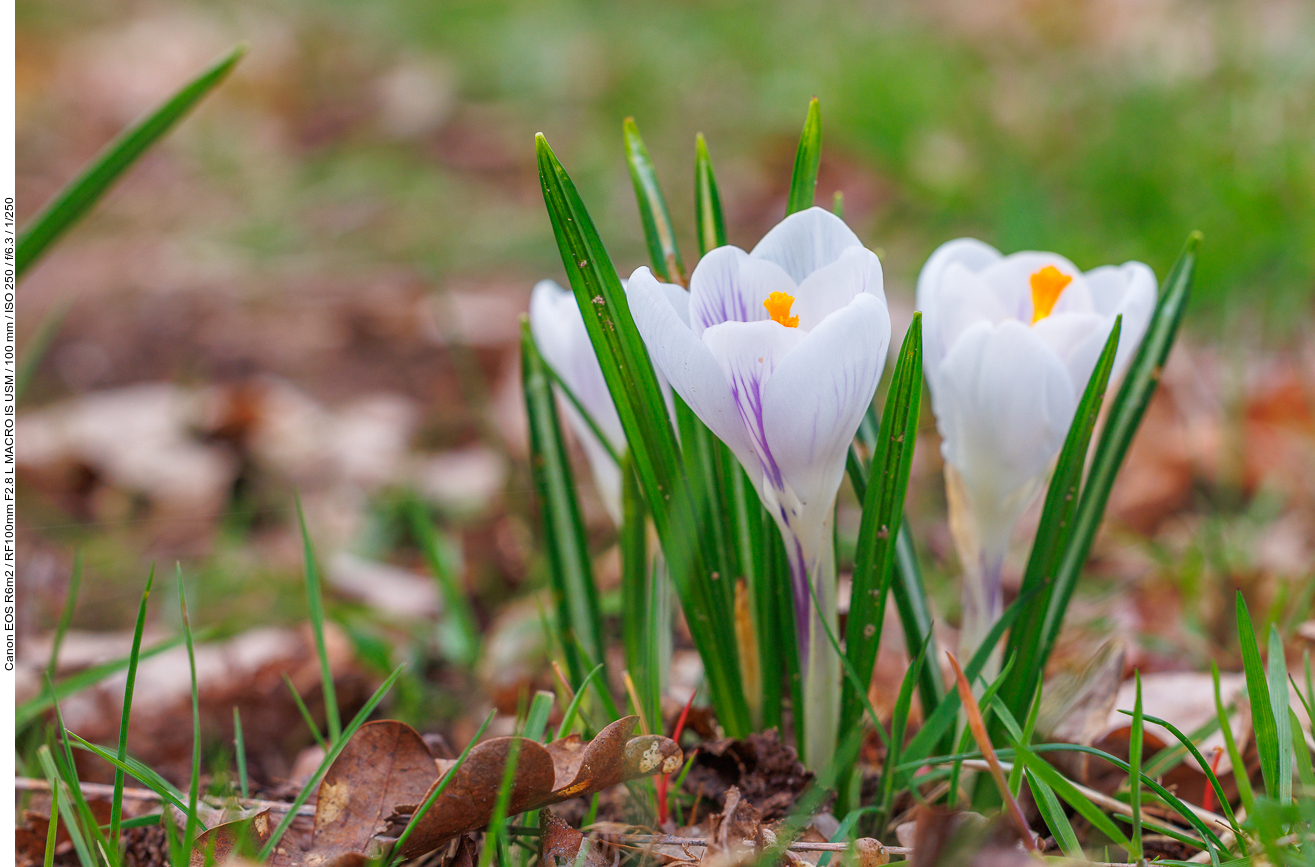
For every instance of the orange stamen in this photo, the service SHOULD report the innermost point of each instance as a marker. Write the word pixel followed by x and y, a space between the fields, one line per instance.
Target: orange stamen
pixel 1046 286
pixel 778 307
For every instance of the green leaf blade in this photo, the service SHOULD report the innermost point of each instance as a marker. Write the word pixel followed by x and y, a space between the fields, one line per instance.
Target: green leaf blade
pixel 1262 710
pixel 803 183
pixel 707 201
pixel 1126 412
pixel 633 386
pixel 570 569
pixel 78 197
pixel 653 213
pixel 883 509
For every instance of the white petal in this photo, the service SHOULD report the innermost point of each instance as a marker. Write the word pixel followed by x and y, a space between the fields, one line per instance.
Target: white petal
pixel 1003 406
pixel 559 332
pixel 1076 339
pixel 816 397
pixel 729 286
pixel 968 253
pixel 747 354
pixel 678 296
pixel 964 298
pixel 1010 280
pixel 1128 289
pixel 686 362
pixel 806 241
pixel 833 286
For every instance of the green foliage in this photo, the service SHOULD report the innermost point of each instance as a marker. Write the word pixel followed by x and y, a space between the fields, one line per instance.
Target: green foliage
pixel 570 570
pixel 803 183
pixel 315 608
pixel 633 386
pixel 78 197
pixel 883 510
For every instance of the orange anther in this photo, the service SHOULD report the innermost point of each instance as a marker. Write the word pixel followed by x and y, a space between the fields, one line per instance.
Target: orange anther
pixel 1046 286
pixel 778 307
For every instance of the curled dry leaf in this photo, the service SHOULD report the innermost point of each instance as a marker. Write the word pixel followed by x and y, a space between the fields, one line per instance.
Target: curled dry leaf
pixel 221 844
pixel 385 770
pixel 561 845
pixel 544 775
pixel 384 763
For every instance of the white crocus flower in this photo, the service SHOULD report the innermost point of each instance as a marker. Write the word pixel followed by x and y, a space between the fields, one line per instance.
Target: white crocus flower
pixel 779 352
pixel 1010 342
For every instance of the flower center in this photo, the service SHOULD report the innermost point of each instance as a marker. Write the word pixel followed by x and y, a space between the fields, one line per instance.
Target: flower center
pixel 778 307
pixel 1046 286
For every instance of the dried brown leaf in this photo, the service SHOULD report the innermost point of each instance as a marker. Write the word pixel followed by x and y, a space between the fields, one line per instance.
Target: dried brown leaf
pixel 385 763
pixel 223 843
pixel 544 776
pixel 561 845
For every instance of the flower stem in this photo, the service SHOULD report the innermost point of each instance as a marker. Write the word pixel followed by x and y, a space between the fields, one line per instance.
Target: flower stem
pixel 813 574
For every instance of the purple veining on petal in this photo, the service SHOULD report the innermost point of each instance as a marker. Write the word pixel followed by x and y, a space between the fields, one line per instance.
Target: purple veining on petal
pixel 711 310
pixel 747 394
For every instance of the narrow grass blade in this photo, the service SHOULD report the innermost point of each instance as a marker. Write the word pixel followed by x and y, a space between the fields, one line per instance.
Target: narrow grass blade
pixel 1301 755
pixel 536 719
pixel 66 614
pixel 895 743
pixel 1074 797
pixel 1305 702
pixel 633 386
pixel 315 607
pixel 31 709
pixel 653 214
pixel 47 761
pixel 134 659
pixel 438 790
pixel 31 355
pixel 568 715
pixel 1135 738
pixel 240 753
pixel 495 834
pixel 194 792
pixel 438 556
pixel 1209 839
pixel 803 182
pixel 636 577
pixel 1125 417
pixel 68 772
pixel 1206 769
pixel 1262 710
pixel 1279 702
pixel 52 830
pixel 75 199
pixel 939 723
pixel 838 204
pixel 570 570
pixel 1244 792
pixel 711 224
pixel 133 767
pixel 1054 531
pixel 329 758
pixel 713 509
pixel 883 509
pixel 1022 739
pixel 305 713
pixel 983 797
pixel 1052 813
pixel 590 422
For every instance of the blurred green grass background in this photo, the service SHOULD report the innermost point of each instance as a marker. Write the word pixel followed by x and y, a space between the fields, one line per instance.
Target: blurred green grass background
pixel 400 131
